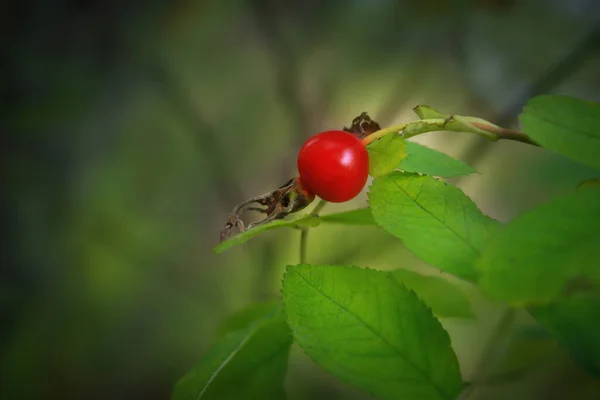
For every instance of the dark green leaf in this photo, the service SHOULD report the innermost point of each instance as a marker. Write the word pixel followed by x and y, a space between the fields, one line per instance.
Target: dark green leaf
pixel 385 154
pixel 307 220
pixel 565 125
pixel 361 216
pixel 546 252
pixel 245 364
pixel 427 161
pixel 575 322
pixel 371 331
pixel 436 221
pixel 446 299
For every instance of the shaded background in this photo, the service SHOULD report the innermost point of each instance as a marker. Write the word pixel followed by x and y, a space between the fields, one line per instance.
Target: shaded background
pixel 132 130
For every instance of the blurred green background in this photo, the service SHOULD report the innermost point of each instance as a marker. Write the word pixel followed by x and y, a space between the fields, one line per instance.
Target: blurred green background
pixel 133 129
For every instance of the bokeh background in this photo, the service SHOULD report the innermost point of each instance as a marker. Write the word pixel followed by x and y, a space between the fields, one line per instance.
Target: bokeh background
pixel 132 129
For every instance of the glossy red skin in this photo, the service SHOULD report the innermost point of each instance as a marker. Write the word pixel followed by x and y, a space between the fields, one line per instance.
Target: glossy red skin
pixel 334 165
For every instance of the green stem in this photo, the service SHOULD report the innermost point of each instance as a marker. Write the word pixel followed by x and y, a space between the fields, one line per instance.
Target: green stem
pixel 383 132
pixel 304 231
pixel 454 123
pixel 506 134
pixel 315 212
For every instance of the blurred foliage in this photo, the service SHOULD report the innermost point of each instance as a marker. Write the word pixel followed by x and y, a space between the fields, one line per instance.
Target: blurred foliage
pixel 132 131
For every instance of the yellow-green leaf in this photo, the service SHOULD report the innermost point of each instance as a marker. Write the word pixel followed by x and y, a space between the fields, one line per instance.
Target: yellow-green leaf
pixel 385 154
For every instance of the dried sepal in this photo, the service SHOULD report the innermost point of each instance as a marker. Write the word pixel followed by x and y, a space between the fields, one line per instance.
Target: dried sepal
pixel 288 198
pixel 362 126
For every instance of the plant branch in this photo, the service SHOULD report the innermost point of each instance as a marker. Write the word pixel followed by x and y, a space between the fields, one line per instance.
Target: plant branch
pixel 556 74
pixel 304 231
pixel 453 123
pixel 315 212
pixel 508 134
pixel 383 132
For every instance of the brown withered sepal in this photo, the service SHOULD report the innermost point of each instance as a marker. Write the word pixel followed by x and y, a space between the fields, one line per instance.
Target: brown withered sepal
pixel 289 197
pixel 286 199
pixel 362 126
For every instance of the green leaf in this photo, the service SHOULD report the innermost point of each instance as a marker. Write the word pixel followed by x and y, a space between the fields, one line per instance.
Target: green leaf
pixel 361 216
pixel 242 237
pixel 428 161
pixel 354 217
pixel 446 299
pixel 426 112
pixel 246 364
pixel 436 221
pixel 575 322
pixel 546 252
pixel 385 154
pixel 565 125
pixel 244 318
pixel 371 331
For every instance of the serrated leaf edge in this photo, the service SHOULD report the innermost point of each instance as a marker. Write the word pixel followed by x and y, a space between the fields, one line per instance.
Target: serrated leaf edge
pixel 439 390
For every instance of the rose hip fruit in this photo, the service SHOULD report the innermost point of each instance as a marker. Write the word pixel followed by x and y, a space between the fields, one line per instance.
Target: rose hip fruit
pixel 333 165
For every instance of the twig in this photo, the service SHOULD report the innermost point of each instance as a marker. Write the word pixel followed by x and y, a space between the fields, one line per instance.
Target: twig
pixel 508 134
pixel 304 231
pixel 466 124
pixel 552 77
pixel 322 203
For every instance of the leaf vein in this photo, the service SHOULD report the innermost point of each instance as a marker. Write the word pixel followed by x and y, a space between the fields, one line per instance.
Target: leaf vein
pixel 409 362
pixel 442 222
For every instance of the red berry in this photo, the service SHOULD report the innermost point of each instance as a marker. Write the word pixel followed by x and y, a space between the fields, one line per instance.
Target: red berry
pixel 334 165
